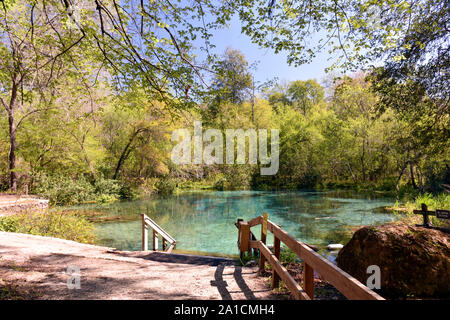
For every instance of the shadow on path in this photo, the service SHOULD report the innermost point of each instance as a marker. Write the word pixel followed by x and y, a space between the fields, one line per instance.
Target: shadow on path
pixel 187 259
pixel 241 283
pixel 220 283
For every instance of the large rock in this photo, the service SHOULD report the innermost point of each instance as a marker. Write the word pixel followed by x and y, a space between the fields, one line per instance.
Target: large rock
pixel 412 260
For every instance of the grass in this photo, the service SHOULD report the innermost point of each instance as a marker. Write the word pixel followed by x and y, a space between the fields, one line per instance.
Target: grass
pixel 64 225
pixel 433 202
pixel 248 257
pixel 13 291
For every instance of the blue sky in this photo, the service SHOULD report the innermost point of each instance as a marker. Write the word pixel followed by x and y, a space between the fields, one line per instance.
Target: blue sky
pixel 270 65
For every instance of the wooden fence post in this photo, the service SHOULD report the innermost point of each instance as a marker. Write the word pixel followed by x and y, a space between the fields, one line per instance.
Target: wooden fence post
pixel 426 220
pixel 262 259
pixel 244 237
pixel 308 280
pixel 276 252
pixel 144 234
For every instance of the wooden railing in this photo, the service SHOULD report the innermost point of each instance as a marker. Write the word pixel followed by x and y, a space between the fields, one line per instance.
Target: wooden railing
pixel 157 230
pixel 439 213
pixel 342 281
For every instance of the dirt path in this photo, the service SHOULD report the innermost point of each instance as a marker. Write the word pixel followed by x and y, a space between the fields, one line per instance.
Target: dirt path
pixel 37 266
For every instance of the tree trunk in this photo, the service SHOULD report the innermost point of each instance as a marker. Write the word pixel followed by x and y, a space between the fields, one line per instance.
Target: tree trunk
pixel 253 100
pixel 420 178
pixel 125 153
pixel 122 159
pixel 12 140
pixel 411 170
pixel 397 186
pixel 351 172
pixel 362 161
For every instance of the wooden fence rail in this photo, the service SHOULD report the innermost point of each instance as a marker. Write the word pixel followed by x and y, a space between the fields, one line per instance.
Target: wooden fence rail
pixel 157 230
pixel 342 281
pixel 439 213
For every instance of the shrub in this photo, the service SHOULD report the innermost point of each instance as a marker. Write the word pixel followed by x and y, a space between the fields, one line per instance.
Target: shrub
pixel 287 255
pixel 64 190
pixel 127 192
pixel 387 184
pixel 108 187
pixel 248 257
pixel 106 198
pixel 165 186
pixel 64 225
pixel 440 201
pixel 220 184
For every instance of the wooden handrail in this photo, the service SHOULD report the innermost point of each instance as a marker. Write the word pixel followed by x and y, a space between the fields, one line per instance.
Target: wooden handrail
pixel 342 281
pixel 290 282
pixel 255 221
pixel 157 230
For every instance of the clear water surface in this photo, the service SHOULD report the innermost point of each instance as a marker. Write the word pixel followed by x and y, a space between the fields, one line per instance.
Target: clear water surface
pixel 204 221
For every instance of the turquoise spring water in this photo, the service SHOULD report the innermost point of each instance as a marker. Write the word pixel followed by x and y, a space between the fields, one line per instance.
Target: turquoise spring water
pixel 204 221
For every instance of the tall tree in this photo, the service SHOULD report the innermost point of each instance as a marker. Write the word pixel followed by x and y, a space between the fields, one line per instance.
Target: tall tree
pixel 410 36
pixel 233 78
pixel 34 53
pixel 304 94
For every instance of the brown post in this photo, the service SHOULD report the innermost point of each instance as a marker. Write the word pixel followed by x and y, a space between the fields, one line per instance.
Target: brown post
pixel 276 252
pixel 426 220
pixel 308 280
pixel 262 259
pixel 164 245
pixel 238 223
pixel 244 237
pixel 144 234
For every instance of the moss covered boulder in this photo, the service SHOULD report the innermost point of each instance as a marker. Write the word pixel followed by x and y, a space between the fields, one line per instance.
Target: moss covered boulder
pixel 413 261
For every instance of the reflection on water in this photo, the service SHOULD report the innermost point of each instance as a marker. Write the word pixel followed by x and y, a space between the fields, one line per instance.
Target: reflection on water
pixel 204 221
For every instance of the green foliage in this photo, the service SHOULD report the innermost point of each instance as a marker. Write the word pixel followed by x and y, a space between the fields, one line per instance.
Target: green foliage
pixel 248 257
pixel 303 95
pixel 128 192
pixel 108 188
pixel 166 185
pixel 287 255
pixel 83 139
pixel 348 141
pixel 433 202
pixel 64 190
pixel 233 78
pixel 106 198
pixel 236 177
pixel 94 107
pixel 62 225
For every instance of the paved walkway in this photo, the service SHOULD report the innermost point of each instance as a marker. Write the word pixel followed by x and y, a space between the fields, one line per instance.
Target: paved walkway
pixel 40 264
